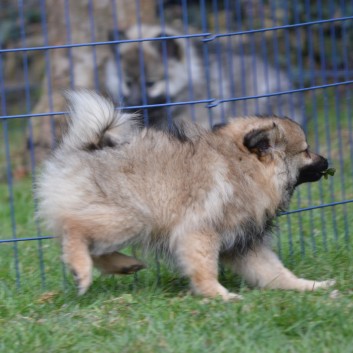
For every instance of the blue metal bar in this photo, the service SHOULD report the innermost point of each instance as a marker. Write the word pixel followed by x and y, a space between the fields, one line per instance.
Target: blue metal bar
pixel 93 39
pixel 348 100
pixel 324 234
pixel 9 175
pixel 275 45
pixel 238 12
pixel 69 40
pixel 213 101
pixel 189 58
pixel 165 60
pixel 47 69
pixel 90 44
pixel 292 109
pixel 264 52
pixel 288 72
pixel 288 54
pixel 316 131
pixel 275 28
pixel 216 102
pixel 348 96
pixel 327 121
pixel 290 237
pixel 209 35
pixel 206 59
pixel 16 240
pixel 20 116
pixel 28 109
pixel 317 207
pixel 142 66
pixel 230 54
pixel 299 56
pixel 338 121
pixel 218 58
pixel 253 59
pixel 117 56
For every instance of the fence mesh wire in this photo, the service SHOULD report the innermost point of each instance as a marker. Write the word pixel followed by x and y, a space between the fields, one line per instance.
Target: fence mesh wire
pixel 249 52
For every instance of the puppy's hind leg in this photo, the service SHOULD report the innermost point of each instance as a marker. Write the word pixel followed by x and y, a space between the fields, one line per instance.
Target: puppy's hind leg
pixel 262 268
pixel 197 254
pixel 117 263
pixel 76 255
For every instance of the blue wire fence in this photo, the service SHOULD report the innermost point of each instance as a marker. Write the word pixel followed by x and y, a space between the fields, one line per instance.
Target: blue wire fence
pixel 311 42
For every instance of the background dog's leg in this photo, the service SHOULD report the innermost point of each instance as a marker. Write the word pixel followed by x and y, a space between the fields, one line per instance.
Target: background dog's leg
pixel 117 263
pixel 197 254
pixel 262 268
pixel 76 256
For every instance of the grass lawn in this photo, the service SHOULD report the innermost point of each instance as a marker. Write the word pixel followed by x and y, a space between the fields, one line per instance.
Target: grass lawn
pixel 128 315
pixel 153 312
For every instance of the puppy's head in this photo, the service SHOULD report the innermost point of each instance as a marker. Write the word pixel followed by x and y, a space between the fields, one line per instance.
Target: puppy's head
pixel 279 143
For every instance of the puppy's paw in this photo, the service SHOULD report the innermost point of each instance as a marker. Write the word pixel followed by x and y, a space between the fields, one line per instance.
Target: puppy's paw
pixel 323 284
pixel 128 270
pixel 83 282
pixel 117 264
pixel 233 297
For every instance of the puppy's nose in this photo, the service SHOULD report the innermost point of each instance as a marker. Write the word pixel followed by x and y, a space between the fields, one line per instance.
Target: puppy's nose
pixel 324 162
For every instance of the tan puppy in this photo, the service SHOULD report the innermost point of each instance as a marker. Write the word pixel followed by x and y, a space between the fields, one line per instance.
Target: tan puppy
pixel 198 196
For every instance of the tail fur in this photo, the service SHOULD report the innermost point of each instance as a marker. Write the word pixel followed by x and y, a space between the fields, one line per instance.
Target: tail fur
pixel 94 123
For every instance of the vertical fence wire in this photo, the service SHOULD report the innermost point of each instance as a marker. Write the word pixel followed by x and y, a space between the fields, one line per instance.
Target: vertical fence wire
pixel 30 128
pixel 142 66
pixel 48 74
pixel 165 58
pixel 206 57
pixel 218 51
pixel 9 175
pixel 93 39
pixel 348 96
pixel 328 135
pixel 253 54
pixel 316 126
pixel 188 59
pixel 300 83
pixel 264 53
pixel 314 117
pixel 239 20
pixel 338 113
pixel 69 41
pixel 116 51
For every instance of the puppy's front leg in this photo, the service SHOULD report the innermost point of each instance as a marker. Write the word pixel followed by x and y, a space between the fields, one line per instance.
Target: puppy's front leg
pixel 197 254
pixel 262 268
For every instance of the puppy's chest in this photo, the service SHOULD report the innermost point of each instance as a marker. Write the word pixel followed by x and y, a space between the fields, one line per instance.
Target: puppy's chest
pixel 234 218
pixel 241 232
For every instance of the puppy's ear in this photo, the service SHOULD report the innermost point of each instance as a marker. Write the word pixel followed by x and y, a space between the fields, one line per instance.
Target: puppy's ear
pixel 172 47
pixel 261 141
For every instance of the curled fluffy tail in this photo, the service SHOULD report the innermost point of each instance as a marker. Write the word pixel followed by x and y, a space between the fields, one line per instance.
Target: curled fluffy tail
pixel 94 123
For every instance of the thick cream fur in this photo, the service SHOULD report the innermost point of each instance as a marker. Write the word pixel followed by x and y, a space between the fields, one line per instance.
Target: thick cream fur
pixel 196 201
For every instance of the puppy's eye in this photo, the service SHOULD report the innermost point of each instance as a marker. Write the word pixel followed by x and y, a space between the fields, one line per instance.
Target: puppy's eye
pixel 307 153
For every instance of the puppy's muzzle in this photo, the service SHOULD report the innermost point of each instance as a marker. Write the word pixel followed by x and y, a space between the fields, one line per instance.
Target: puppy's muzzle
pixel 312 172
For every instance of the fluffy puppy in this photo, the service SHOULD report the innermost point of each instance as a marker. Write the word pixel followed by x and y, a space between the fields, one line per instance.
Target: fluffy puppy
pixel 197 196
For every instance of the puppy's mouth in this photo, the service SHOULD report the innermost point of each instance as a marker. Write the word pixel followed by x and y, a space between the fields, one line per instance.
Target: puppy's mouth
pixel 312 172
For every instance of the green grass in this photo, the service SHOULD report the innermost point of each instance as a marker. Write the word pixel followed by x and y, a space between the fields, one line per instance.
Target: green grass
pixel 123 315
pixel 40 311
